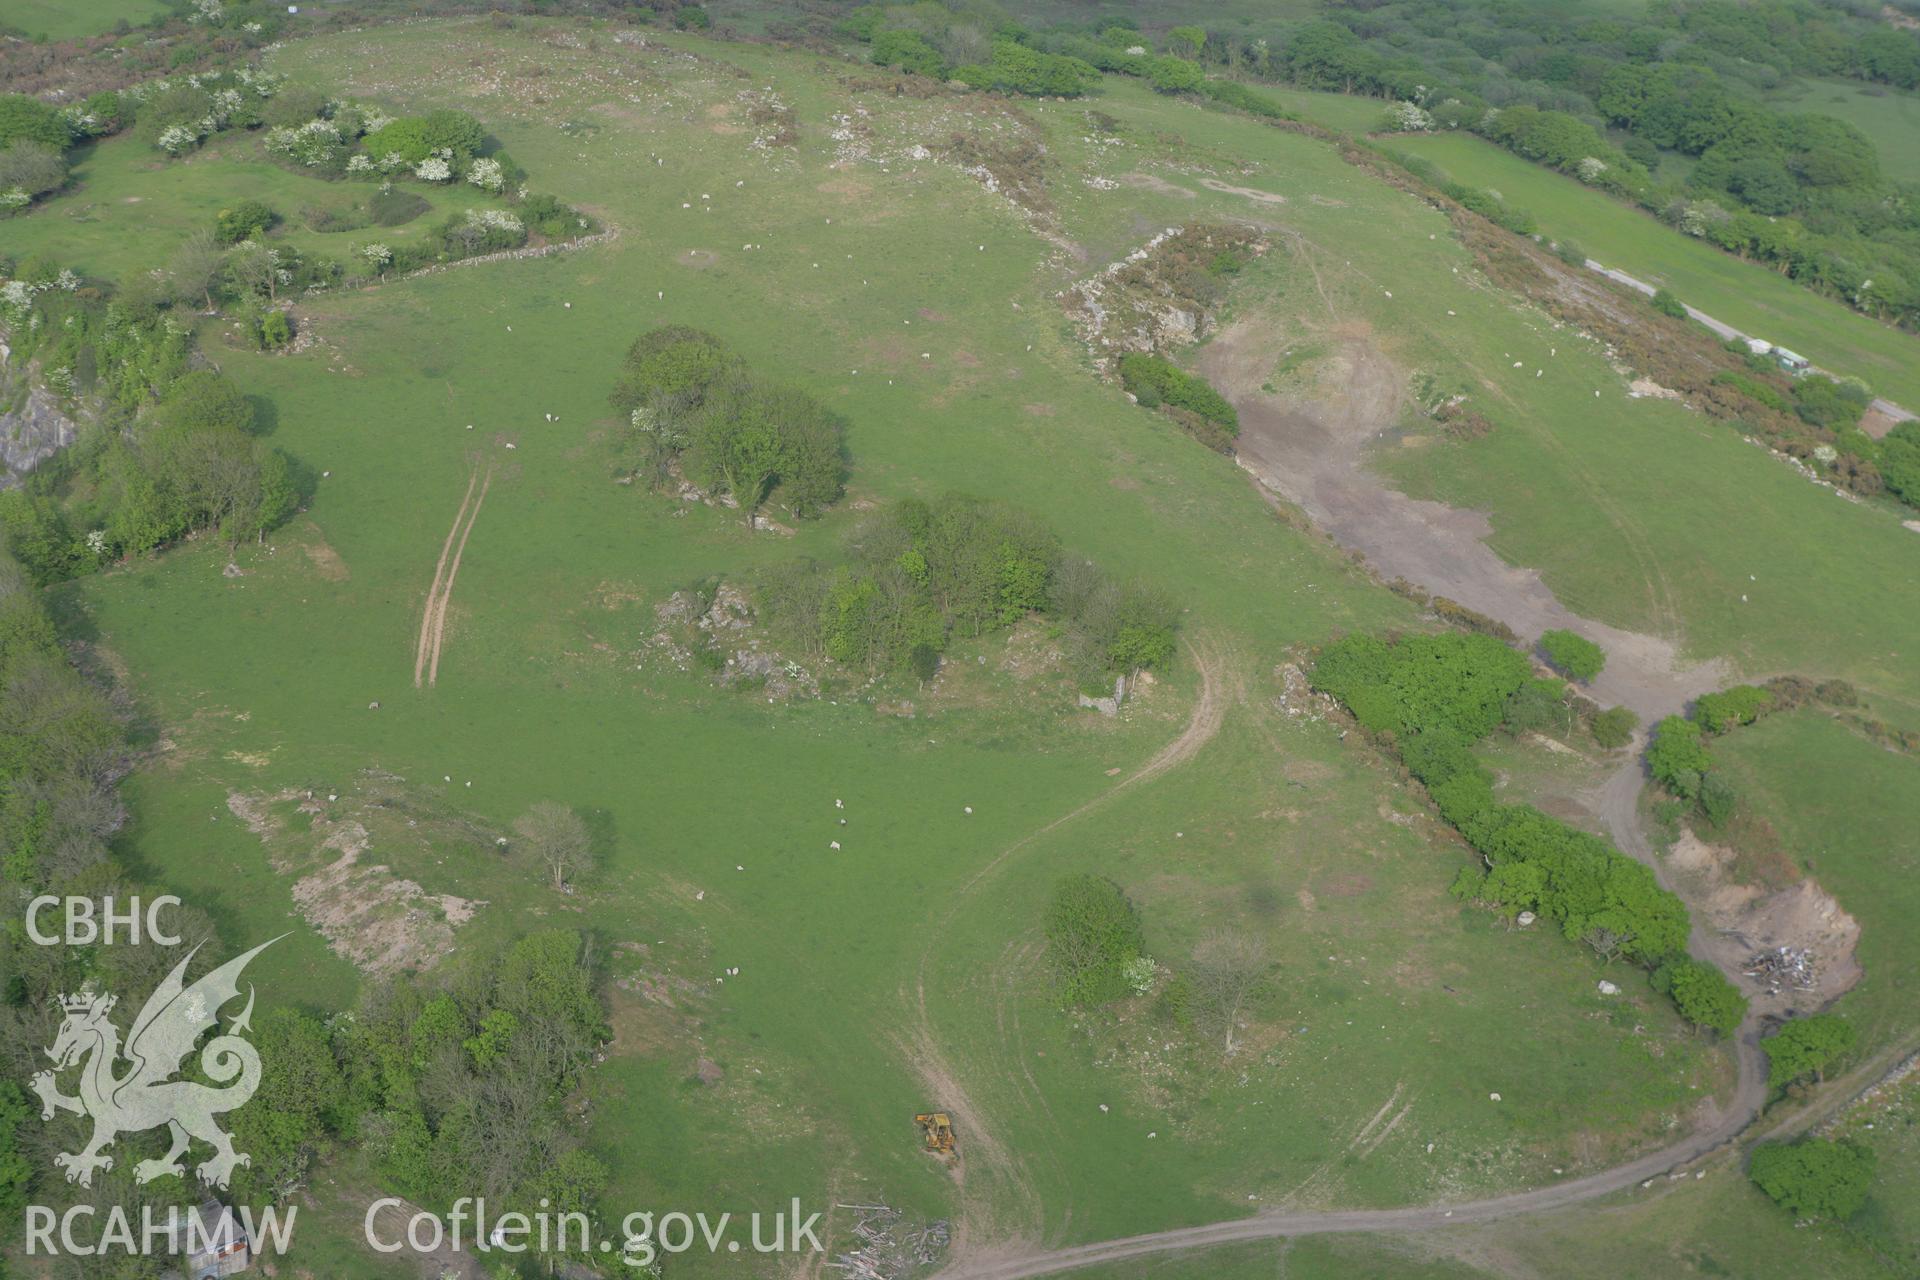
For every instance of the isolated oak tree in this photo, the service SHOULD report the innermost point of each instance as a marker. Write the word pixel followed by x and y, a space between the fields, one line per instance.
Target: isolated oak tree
pixel 555 836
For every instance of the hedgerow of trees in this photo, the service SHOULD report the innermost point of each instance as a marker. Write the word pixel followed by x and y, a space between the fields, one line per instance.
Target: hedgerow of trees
pixel 1430 698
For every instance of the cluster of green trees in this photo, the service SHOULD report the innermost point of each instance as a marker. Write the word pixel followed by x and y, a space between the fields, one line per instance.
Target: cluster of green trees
pixel 1806 1047
pixel 461 1090
pixel 61 748
pixel 1677 754
pixel 1430 698
pixel 1096 947
pixel 691 403
pixel 137 481
pixel 1159 383
pixel 968 43
pixel 1815 1178
pixel 920 573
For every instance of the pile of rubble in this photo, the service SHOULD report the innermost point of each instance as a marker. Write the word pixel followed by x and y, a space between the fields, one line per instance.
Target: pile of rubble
pixel 888 1248
pixel 1781 968
pixel 1297 695
pixel 712 627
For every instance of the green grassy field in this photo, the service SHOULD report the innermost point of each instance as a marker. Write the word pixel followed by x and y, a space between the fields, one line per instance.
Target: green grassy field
pixel 1889 1125
pixel 720 807
pixel 1568 493
pixel 1887 116
pixel 1844 809
pixel 128 205
pixel 1745 295
pixel 64 19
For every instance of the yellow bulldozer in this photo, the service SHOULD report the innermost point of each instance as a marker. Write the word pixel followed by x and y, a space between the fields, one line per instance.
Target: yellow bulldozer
pixel 936 1131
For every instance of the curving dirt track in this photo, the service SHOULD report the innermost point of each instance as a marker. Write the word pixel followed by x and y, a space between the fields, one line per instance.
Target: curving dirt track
pixel 1620 810
pixel 921 1048
pixel 1313 456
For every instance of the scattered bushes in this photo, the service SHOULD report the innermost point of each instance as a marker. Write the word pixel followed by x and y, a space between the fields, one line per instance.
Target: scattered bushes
pixel 415 138
pixel 909 51
pixel 1491 207
pixel 395 208
pixel 28 118
pixel 1666 304
pixel 1539 706
pixel 1457 684
pixel 29 170
pixel 922 572
pixel 1093 933
pixel 1899 461
pixel 1015 68
pixel 1754 389
pixel 935 42
pixel 1821 401
pixel 1231 93
pixel 1574 654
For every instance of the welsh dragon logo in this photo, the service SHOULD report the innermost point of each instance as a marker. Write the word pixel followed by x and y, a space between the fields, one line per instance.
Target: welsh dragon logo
pixel 145 1096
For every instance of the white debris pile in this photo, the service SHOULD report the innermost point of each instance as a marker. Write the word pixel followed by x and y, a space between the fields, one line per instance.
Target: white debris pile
pixel 889 1248
pixel 1297 695
pixel 1784 967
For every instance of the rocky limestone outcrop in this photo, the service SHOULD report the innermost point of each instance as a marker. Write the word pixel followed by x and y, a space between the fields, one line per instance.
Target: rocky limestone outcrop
pixel 34 422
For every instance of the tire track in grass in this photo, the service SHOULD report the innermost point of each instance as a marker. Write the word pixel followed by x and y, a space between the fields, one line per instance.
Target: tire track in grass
pixel 446 592
pixel 439 575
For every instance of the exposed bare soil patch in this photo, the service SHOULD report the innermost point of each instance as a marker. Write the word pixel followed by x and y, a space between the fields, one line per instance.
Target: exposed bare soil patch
pixel 1747 919
pixel 1309 446
pixel 1250 193
pixel 379 920
pixel 1156 184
